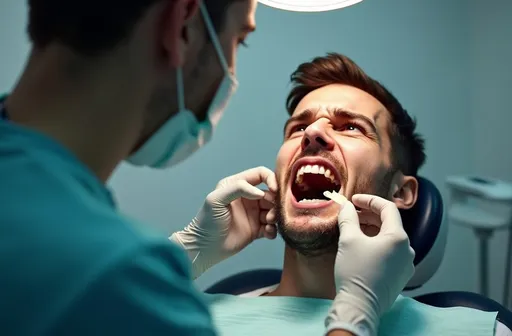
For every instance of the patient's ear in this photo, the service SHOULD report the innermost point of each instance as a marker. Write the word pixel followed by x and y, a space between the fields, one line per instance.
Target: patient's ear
pixel 405 191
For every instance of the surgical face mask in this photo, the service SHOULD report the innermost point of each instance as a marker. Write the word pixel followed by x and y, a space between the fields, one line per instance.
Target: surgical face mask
pixel 183 134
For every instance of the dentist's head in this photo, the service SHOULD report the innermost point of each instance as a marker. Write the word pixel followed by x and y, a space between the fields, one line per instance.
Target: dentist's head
pixel 201 79
pixel 144 81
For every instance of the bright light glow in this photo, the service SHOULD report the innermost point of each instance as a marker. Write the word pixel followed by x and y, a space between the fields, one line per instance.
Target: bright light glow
pixel 309 5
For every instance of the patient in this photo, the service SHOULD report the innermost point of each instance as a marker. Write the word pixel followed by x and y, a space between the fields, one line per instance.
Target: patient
pixel 347 133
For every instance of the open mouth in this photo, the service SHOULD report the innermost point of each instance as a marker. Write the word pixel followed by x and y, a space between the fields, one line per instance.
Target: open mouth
pixel 312 179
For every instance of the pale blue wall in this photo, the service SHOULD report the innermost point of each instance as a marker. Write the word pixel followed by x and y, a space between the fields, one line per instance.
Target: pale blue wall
pixel 491 107
pixel 420 49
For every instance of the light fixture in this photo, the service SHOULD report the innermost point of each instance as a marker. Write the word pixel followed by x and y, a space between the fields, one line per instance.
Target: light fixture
pixel 309 5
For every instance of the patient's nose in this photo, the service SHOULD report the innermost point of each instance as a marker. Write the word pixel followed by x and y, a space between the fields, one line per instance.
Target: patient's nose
pixel 315 136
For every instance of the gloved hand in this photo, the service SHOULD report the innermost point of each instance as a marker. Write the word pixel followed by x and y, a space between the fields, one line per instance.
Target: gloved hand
pixel 370 272
pixel 233 215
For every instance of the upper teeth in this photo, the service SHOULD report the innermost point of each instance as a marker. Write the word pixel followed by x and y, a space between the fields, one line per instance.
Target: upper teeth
pixel 315 169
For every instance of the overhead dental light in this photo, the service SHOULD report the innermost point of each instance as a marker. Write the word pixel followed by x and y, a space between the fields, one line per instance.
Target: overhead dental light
pixel 309 5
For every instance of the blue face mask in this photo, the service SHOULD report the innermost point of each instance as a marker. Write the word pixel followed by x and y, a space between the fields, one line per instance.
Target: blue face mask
pixel 182 135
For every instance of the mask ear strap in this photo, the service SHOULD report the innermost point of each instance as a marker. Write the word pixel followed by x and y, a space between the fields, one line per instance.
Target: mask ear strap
pixel 213 36
pixel 180 89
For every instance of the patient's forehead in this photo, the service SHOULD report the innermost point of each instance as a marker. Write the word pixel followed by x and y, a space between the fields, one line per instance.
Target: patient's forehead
pixel 344 97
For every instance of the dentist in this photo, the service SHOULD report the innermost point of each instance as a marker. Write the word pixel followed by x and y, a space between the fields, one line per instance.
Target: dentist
pixel 144 82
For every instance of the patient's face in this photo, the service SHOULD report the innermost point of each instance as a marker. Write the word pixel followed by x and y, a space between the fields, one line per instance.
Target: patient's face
pixel 336 139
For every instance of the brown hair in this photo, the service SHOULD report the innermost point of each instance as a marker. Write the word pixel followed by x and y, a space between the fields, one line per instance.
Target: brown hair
pixel 90 27
pixel 408 153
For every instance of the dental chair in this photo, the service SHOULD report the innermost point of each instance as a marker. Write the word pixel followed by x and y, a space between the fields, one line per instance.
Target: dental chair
pixel 427 233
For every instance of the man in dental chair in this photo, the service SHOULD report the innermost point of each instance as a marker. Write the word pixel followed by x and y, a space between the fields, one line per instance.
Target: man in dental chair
pixel 347 133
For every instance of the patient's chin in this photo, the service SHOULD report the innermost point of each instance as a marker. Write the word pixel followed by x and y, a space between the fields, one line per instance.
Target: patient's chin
pixel 310 224
pixel 310 238
pixel 307 232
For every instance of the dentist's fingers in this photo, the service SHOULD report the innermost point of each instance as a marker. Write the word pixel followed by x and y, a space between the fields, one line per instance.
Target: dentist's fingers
pixel 270 231
pixel 348 221
pixel 233 191
pixel 255 176
pixel 267 231
pixel 269 197
pixel 388 212
pixel 268 216
pixel 268 228
pixel 265 205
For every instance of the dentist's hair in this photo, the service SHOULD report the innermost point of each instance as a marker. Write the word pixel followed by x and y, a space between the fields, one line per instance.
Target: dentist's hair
pixel 92 26
pixel 408 147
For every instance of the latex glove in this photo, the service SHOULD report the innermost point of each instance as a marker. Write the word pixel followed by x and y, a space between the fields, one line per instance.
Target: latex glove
pixel 235 214
pixel 370 272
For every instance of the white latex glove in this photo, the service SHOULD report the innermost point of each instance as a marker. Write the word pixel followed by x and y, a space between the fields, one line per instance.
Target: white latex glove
pixel 233 215
pixel 370 272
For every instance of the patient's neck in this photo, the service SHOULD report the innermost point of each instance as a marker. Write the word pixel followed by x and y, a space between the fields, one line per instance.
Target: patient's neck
pixel 311 277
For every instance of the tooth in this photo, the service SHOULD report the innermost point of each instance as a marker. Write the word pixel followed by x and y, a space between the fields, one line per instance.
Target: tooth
pixel 338 198
pixel 299 179
pixel 299 176
pixel 305 200
pixel 315 169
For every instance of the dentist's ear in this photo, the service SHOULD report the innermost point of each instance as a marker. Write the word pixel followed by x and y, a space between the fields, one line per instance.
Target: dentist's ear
pixel 404 191
pixel 175 29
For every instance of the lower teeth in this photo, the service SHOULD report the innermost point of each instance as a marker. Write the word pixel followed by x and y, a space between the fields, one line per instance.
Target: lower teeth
pixel 311 200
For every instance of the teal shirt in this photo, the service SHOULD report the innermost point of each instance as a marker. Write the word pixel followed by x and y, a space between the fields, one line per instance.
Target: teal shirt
pixel 71 264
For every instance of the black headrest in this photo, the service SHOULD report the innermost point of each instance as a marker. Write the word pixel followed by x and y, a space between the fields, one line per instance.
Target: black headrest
pixel 423 221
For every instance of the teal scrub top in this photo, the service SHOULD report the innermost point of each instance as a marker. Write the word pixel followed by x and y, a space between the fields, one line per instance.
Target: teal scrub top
pixel 70 264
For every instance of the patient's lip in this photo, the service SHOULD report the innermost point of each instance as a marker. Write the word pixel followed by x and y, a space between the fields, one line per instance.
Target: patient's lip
pixel 311 205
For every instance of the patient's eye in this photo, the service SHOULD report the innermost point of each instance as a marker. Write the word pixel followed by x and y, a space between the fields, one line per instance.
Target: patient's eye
pixel 298 128
pixel 352 127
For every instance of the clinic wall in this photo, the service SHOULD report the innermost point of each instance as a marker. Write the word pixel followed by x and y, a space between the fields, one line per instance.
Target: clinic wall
pixel 491 86
pixel 425 64
pixel 14 45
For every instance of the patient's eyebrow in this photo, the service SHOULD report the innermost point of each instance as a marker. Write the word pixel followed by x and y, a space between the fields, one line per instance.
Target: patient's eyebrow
pixel 302 116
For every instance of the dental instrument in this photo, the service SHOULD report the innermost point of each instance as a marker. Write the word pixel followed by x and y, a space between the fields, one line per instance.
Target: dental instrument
pixel 336 197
